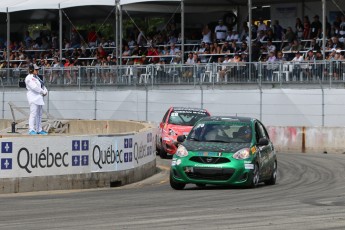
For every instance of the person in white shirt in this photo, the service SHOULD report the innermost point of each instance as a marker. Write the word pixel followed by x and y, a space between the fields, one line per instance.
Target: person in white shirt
pixel 297 67
pixel 221 31
pixel 36 92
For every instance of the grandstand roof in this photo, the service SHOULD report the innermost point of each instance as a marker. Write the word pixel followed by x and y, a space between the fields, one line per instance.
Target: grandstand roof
pixel 22 5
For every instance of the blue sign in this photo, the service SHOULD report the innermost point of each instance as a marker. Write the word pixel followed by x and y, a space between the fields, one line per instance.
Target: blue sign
pixel 75 145
pixel 84 160
pixel 6 163
pixel 75 160
pixel 128 143
pixel 84 145
pixel 6 147
pixel 128 157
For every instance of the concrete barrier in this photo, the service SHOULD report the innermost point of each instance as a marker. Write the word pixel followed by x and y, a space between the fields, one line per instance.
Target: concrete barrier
pixel 308 139
pixel 91 154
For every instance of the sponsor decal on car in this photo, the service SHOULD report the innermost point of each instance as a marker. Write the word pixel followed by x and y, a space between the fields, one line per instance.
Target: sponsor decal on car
pixel 212 154
pixel 248 166
pixel 253 149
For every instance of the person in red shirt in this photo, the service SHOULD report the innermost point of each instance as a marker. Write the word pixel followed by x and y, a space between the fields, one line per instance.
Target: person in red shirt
pixel 152 51
pixel 92 37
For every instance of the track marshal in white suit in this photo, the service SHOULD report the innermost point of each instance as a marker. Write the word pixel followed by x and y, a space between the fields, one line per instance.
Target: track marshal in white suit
pixel 35 93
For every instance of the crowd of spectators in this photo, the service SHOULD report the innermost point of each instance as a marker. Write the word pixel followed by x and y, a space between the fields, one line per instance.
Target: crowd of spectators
pixel 270 42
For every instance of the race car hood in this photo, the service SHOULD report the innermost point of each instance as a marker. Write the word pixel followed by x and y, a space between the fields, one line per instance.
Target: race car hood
pixel 180 130
pixel 214 147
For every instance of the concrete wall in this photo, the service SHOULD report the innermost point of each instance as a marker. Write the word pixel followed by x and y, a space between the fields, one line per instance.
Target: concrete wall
pixel 308 139
pixel 92 154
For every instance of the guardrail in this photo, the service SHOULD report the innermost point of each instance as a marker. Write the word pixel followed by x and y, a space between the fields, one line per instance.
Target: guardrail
pixel 202 73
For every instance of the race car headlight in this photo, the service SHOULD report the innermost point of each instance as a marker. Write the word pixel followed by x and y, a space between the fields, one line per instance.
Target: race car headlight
pixel 181 151
pixel 172 132
pixel 242 154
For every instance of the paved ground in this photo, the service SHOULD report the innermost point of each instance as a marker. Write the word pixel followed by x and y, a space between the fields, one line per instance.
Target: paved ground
pixel 310 194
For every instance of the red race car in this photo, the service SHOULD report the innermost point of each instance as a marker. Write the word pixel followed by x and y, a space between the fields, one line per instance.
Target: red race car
pixel 176 121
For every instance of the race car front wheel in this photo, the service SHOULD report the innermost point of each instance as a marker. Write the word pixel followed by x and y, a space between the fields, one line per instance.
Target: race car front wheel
pixel 176 185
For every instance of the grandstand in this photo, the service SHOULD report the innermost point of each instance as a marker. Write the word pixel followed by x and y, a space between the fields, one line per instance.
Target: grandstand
pixel 99 62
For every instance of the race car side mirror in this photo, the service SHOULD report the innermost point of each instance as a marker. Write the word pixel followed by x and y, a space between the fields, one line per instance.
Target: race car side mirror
pixel 262 142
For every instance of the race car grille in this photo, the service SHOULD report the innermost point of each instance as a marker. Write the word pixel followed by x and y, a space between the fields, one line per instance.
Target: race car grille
pixel 210 173
pixel 209 160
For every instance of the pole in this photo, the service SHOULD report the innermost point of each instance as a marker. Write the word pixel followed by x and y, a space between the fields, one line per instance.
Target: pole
pixel 182 31
pixel 324 28
pixel 250 36
pixel 60 34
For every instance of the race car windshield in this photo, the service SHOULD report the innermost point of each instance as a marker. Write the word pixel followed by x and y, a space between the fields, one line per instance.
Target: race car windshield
pixel 186 118
pixel 221 132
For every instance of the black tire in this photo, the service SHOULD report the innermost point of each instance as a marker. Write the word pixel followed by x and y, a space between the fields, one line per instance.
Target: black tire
pixel 255 177
pixel 273 179
pixel 162 153
pixel 176 185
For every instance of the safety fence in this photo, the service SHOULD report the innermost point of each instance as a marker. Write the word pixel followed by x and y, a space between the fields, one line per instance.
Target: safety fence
pixel 326 72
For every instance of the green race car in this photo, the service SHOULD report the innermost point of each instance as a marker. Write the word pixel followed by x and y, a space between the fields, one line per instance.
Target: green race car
pixel 224 151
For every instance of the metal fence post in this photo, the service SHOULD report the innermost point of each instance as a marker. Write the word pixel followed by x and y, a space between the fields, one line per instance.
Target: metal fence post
pixel 146 103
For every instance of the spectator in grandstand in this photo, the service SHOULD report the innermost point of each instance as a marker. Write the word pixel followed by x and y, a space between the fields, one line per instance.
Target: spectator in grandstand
pixel 277 31
pixel 318 55
pixel 270 47
pixel 202 50
pixel 261 36
pixel 66 44
pixel 190 59
pixel 244 32
pixel 234 47
pixel 55 71
pixel 68 72
pixel 299 28
pixel 206 34
pixel 174 50
pixel 75 39
pixel 244 47
pixel 289 34
pixel 220 31
pixel 262 26
pixel 225 68
pixel 92 37
pixel 215 48
pixel 45 44
pixel 314 45
pixel 328 29
pixel 280 56
pixel 336 43
pixel 306 26
pixel 165 52
pixel 27 38
pixel 254 31
pixel 256 51
pixel 270 34
pixel 232 36
pixel 342 26
pixel 296 61
pixel 152 51
pixel 315 28
pixel 226 48
pixel 296 46
pixel 329 44
pixel 310 56
pixel 271 65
